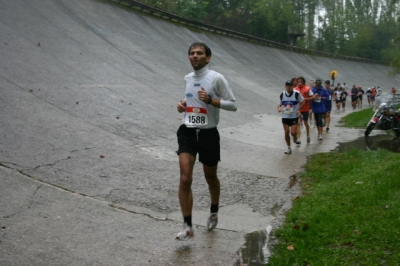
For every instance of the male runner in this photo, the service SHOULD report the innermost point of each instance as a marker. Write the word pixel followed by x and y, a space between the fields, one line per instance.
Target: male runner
pixel 290 103
pixel 207 92
pixel 307 94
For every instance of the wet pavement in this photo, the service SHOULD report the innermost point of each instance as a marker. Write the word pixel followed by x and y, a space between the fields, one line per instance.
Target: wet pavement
pixel 88 170
pixel 382 140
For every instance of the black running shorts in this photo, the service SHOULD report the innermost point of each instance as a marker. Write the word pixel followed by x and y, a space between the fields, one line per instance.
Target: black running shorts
pixel 290 121
pixel 205 142
pixel 305 115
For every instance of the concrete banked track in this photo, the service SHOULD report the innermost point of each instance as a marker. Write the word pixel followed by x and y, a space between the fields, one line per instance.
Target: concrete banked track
pixel 88 121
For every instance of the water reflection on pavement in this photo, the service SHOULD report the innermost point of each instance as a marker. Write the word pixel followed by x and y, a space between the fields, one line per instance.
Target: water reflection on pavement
pixel 374 143
pixel 256 251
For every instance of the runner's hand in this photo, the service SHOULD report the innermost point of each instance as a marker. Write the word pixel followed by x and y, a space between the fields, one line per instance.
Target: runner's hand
pixel 202 94
pixel 181 106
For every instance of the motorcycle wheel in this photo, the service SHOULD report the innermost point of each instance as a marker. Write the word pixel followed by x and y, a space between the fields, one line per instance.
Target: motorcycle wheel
pixel 369 129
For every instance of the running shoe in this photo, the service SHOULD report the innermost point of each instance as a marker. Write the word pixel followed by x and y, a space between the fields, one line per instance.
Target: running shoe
pixel 308 139
pixel 320 138
pixel 327 129
pixel 212 221
pixel 186 233
pixel 298 142
pixel 288 151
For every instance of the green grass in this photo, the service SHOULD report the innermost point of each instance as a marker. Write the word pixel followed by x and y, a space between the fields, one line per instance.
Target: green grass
pixel 357 119
pixel 348 213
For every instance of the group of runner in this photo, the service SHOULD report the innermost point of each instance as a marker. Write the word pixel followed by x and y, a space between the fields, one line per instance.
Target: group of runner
pixel 299 103
pixel 340 96
pixel 371 94
pixel 356 93
pixel 207 92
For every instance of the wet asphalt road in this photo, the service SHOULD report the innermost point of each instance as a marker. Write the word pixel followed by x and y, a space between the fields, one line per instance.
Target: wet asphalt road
pixel 88 169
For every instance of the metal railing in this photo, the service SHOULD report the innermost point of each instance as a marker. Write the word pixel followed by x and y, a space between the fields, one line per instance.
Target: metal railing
pixel 157 12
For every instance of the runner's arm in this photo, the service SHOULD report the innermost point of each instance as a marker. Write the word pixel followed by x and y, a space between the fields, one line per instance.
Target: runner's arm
pixel 226 100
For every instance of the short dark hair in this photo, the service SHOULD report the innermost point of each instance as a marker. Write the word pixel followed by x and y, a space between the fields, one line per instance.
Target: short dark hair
pixel 289 82
pixel 303 79
pixel 327 82
pixel 318 82
pixel 200 44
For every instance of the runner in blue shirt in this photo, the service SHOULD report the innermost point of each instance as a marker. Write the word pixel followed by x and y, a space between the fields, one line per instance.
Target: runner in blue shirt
pixel 318 106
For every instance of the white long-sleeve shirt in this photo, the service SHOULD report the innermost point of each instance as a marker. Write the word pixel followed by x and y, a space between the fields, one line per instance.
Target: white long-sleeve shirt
pixel 199 114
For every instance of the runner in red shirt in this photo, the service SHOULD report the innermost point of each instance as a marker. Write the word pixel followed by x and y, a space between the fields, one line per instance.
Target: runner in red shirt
pixel 308 96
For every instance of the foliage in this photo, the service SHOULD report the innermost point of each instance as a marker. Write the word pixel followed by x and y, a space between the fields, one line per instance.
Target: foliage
pixel 395 50
pixel 362 28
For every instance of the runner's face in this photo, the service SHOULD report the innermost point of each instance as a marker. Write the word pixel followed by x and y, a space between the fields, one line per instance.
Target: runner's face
pixel 289 88
pixel 312 83
pixel 198 58
pixel 300 83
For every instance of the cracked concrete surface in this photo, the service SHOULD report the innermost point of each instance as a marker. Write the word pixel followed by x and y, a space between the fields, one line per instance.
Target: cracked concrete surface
pixel 88 170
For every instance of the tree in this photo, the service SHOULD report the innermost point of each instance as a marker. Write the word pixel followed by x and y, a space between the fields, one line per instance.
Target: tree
pixel 393 54
pixel 361 28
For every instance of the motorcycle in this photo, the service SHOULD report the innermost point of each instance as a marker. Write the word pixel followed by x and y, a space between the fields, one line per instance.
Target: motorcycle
pixel 386 116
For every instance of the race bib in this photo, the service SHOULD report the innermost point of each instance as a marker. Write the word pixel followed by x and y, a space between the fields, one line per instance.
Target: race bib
pixel 287 109
pixel 196 117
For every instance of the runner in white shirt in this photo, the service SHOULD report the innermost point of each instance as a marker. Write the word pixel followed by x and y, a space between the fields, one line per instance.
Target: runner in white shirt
pixel 206 93
pixel 338 98
pixel 290 104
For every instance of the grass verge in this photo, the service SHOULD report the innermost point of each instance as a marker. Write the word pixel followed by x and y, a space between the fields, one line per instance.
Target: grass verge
pixel 358 119
pixel 348 213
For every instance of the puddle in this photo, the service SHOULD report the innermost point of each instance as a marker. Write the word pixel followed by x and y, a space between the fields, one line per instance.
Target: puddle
pixel 256 250
pixel 374 143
